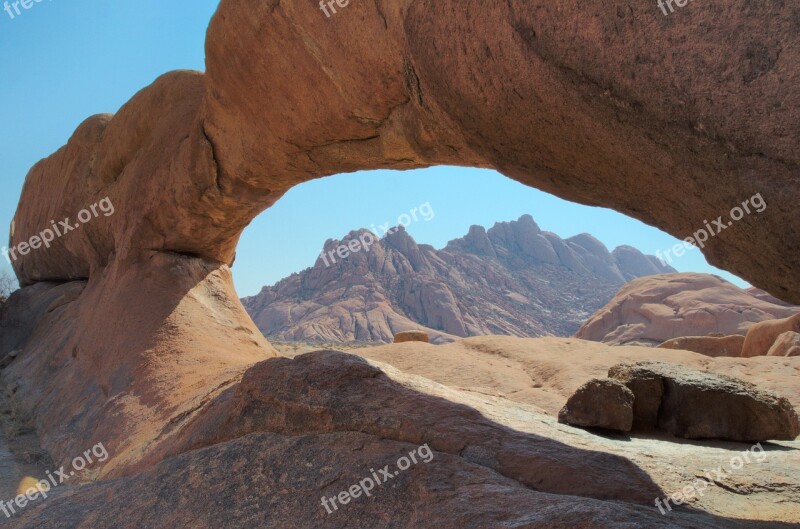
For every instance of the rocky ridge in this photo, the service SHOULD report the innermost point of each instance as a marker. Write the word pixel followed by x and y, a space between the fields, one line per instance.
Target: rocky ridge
pixel 653 310
pixel 513 279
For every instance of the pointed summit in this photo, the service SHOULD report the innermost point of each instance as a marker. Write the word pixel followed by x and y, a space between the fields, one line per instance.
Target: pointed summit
pixel 513 279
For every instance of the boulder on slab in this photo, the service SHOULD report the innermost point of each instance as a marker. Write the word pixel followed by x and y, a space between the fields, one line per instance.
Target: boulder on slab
pixel 600 403
pixel 713 346
pixel 787 344
pixel 698 405
pixel 411 336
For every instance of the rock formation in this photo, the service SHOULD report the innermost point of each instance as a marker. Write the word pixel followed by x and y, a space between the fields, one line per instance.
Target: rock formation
pixel 652 310
pixel 600 403
pixel 696 405
pixel 512 279
pixel 708 345
pixel 761 337
pixel 129 328
pixel 411 336
pixel 787 344
pixel 302 414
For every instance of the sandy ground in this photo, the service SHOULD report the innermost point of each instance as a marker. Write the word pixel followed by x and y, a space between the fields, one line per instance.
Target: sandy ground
pixel 544 372
pixel 522 383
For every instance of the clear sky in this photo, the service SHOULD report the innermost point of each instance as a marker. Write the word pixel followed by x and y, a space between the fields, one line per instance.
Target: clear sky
pixel 64 60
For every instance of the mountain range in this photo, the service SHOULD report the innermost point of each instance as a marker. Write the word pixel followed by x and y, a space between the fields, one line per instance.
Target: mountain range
pixel 513 279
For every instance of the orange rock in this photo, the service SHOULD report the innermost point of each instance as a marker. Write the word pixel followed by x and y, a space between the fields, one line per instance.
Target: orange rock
pixel 411 336
pixel 708 345
pixel 787 344
pixel 761 337
pixel 600 403
pixel 652 310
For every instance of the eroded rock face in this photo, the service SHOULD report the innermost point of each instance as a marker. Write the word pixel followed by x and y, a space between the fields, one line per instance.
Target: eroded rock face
pixel 329 391
pixel 273 481
pixel 190 160
pixel 600 403
pixel 787 344
pixel 611 107
pixel 411 336
pixel 652 310
pixel 524 88
pixel 761 337
pixel 512 279
pixel 708 345
pixel 697 405
pixel 121 366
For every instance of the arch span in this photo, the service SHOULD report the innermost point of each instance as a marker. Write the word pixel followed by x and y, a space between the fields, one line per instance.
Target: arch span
pixel 672 120
pixel 614 106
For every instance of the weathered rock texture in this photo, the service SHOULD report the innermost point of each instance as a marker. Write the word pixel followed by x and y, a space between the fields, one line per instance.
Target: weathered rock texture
pixel 411 336
pixel 600 403
pixel 672 120
pixel 697 405
pixel 579 100
pixel 761 337
pixel 245 434
pixel 787 344
pixel 512 279
pixel 623 108
pixel 303 415
pixel 708 345
pixel 652 310
pixel 170 335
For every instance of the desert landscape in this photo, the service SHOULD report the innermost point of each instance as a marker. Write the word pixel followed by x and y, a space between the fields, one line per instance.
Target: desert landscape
pixel 512 377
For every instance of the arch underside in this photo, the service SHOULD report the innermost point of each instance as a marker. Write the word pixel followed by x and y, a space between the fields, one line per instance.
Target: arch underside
pixel 671 120
pixel 607 107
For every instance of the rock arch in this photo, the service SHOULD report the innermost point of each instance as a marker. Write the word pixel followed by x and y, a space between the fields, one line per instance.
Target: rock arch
pixel 614 106
pixel 672 119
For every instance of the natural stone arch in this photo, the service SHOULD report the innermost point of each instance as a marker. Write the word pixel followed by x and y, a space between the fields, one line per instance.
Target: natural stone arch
pixel 672 120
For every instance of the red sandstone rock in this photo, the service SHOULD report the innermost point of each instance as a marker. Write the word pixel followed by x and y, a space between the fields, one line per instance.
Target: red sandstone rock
pixel 600 403
pixel 787 344
pixel 708 345
pixel 697 405
pixel 760 338
pixel 672 123
pixel 190 160
pixel 652 310
pixel 411 336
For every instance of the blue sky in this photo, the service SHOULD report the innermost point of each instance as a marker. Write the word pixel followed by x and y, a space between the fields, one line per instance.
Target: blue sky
pixel 64 60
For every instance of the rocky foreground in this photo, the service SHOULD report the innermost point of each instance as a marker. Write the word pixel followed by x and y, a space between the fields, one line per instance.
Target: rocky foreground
pixel 260 443
pixel 130 333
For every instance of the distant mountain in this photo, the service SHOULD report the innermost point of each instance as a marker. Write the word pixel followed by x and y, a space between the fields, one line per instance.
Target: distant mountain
pixel 513 279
